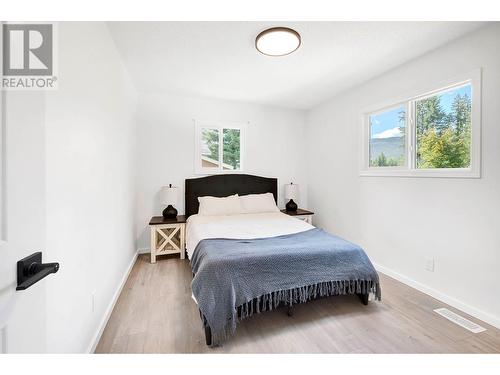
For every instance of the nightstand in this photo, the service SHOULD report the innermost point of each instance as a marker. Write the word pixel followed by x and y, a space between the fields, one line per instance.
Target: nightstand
pixel 301 214
pixel 168 236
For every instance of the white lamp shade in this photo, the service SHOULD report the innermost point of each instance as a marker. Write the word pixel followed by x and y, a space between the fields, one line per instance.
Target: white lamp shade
pixel 169 195
pixel 291 191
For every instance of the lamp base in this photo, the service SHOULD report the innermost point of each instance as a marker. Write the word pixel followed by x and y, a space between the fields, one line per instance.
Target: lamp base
pixel 170 212
pixel 291 206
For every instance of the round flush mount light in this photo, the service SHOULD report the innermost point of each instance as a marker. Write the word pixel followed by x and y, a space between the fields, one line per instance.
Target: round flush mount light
pixel 277 41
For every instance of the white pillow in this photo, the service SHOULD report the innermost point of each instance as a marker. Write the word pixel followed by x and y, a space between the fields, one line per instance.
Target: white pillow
pixel 256 203
pixel 213 206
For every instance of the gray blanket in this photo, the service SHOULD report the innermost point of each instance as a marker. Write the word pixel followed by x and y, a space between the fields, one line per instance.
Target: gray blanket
pixel 289 269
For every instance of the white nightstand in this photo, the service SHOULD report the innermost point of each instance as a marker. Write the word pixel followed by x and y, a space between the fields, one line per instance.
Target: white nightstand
pixel 168 236
pixel 301 214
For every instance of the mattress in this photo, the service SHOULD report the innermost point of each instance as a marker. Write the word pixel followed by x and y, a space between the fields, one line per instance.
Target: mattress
pixel 241 226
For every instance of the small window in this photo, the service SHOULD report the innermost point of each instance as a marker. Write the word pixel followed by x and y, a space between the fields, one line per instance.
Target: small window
pixel 431 135
pixel 388 138
pixel 219 148
pixel 231 151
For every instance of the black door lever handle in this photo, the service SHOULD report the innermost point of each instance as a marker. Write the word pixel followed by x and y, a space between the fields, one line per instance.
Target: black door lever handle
pixel 31 270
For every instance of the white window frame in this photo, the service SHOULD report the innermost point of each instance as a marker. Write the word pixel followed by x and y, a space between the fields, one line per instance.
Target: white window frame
pixel 409 169
pixel 220 126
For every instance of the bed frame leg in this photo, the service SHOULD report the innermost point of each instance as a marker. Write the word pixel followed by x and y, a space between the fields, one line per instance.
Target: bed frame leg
pixel 363 298
pixel 290 310
pixel 208 335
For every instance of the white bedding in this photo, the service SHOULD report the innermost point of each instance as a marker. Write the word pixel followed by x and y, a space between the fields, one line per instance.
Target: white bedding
pixel 241 226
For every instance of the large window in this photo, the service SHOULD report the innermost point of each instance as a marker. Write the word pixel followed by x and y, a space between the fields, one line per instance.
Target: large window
pixel 219 147
pixel 432 135
pixel 443 127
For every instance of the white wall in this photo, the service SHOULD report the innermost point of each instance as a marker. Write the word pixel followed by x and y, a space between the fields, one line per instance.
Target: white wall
pixel 399 221
pixel 90 183
pixel 274 147
pixel 25 212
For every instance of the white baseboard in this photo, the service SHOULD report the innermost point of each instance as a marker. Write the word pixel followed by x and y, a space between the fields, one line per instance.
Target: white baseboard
pixel 144 251
pixel 95 340
pixel 479 314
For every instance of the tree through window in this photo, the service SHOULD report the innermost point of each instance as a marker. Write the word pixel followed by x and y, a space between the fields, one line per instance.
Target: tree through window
pixel 219 148
pixel 443 124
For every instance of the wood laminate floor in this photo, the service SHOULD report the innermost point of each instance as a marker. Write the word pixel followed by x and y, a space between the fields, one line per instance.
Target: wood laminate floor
pixel 155 314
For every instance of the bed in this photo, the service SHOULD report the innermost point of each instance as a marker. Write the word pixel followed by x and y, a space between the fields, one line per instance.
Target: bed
pixel 249 263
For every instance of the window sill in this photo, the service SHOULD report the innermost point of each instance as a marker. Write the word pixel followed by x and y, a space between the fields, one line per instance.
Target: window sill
pixel 425 173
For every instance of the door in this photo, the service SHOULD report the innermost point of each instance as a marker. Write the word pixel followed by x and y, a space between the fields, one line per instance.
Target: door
pixel 22 219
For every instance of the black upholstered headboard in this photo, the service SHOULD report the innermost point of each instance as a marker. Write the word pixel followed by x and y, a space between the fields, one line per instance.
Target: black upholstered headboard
pixel 223 185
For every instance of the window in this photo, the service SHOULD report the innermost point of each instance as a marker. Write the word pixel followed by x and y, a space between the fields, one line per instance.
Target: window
pixel 443 127
pixel 388 138
pixel 219 147
pixel 432 135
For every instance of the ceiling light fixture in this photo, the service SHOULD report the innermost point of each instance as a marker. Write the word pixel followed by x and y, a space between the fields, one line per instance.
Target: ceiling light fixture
pixel 277 41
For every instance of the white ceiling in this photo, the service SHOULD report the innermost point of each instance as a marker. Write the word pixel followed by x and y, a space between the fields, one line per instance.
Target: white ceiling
pixel 219 60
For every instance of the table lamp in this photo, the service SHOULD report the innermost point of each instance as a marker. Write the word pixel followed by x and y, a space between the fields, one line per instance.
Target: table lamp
pixel 291 192
pixel 168 196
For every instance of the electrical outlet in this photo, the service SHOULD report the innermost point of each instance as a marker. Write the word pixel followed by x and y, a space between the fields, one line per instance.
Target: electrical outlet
pixel 429 264
pixel 93 301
